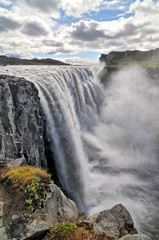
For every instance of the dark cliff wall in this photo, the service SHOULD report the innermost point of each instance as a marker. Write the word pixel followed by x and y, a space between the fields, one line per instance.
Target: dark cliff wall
pixel 21 122
pixel 116 57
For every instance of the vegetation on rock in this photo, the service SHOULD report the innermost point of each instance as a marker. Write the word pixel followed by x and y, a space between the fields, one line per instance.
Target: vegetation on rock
pixel 32 182
pixel 70 231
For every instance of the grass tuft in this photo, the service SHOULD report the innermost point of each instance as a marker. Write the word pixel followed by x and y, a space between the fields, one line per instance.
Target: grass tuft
pixel 32 182
pixel 70 231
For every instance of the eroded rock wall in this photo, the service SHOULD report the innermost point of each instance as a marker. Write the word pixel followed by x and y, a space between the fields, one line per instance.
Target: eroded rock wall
pixel 21 122
pixel 17 223
pixel 136 55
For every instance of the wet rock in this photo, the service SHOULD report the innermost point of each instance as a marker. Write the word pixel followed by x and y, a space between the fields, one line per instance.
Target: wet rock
pixel 17 224
pixel 135 237
pixel 115 222
pixel 21 123
pixel 58 208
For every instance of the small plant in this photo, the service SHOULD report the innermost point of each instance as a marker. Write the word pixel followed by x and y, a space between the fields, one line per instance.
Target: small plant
pixel 63 231
pixel 70 231
pixel 33 182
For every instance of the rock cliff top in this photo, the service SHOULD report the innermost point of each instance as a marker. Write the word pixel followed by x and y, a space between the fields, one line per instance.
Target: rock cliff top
pixel 143 58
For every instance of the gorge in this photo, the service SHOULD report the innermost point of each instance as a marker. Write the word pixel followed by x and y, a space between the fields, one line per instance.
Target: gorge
pixel 102 139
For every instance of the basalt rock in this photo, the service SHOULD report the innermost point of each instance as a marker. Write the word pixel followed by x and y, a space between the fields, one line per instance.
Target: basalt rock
pixel 115 222
pixel 135 237
pixel 114 58
pixel 17 224
pixel 21 123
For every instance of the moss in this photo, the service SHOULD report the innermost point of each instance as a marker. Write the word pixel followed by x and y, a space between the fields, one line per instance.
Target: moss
pixel 31 182
pixel 70 231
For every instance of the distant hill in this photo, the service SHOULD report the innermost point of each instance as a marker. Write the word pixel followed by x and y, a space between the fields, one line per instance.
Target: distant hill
pixel 128 58
pixel 17 61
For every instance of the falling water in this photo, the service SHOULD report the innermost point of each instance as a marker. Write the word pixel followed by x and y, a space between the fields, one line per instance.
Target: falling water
pixel 104 140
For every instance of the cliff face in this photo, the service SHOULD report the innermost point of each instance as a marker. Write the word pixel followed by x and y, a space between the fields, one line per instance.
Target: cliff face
pixel 114 58
pixel 21 122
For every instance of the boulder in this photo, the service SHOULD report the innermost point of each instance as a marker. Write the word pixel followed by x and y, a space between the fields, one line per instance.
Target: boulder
pixel 135 237
pixel 17 224
pixel 115 222
pixel 58 208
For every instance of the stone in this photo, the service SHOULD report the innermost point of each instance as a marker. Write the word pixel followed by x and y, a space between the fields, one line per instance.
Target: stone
pixel 19 225
pixel 135 237
pixel 1 208
pixel 92 219
pixel 14 217
pixel 3 235
pixel 17 162
pixel 115 222
pixel 58 208
pixel 21 123
pixel 114 58
pixel 1 223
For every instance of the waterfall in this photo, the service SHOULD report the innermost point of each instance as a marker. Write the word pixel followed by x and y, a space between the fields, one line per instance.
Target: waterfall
pixel 104 140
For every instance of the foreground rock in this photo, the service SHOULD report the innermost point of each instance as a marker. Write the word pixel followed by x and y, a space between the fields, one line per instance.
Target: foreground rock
pixel 135 237
pixel 21 123
pixel 16 224
pixel 115 222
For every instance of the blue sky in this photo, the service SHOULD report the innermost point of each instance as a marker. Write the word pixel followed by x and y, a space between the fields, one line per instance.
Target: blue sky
pixel 77 31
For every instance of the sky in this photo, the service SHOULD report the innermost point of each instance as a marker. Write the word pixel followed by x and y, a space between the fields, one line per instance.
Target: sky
pixel 77 31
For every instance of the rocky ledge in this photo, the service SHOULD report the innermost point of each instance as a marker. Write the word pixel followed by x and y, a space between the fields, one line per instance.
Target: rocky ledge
pixel 144 58
pixel 17 224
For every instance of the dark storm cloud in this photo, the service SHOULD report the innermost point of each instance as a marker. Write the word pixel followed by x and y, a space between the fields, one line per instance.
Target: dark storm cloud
pixel 7 24
pixel 34 29
pixel 46 6
pixel 85 32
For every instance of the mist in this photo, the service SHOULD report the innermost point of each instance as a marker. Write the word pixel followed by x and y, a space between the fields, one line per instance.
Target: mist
pixel 124 141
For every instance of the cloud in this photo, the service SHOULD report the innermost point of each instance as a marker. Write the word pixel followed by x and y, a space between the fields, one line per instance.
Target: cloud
pixel 45 6
pixel 52 7
pixel 52 43
pixel 6 2
pixel 86 31
pixel 130 33
pixel 36 32
pixel 114 4
pixel 34 29
pixel 144 8
pixel 16 47
pixel 7 21
pixel 7 24
pixel 77 7
pixel 77 60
